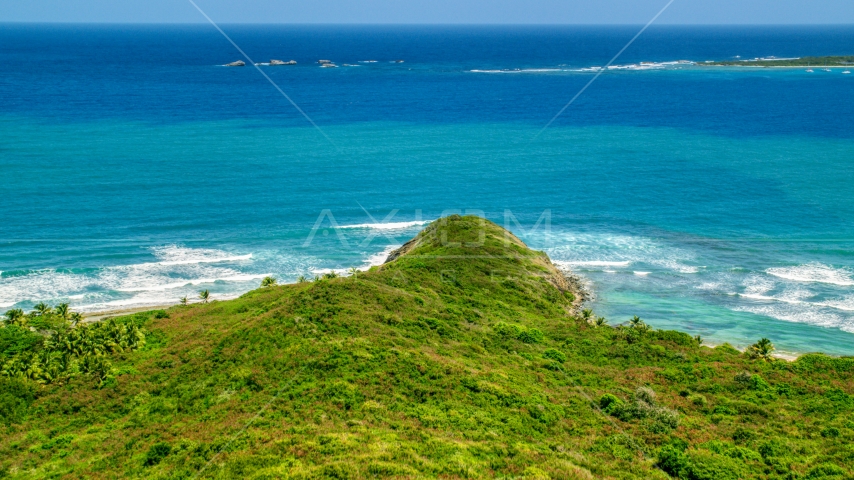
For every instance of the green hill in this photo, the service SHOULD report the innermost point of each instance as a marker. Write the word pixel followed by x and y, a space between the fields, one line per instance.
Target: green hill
pixel 464 357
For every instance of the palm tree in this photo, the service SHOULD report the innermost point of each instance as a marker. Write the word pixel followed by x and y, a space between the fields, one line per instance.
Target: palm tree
pixel 301 279
pixel 268 282
pixel 42 309
pixel 353 271
pixel 331 275
pixel 762 349
pixel 62 311
pixel 16 317
pixel 586 314
pixel 601 322
pixel 205 295
pixel 76 318
pixel 183 300
pixel 638 324
pixel 699 340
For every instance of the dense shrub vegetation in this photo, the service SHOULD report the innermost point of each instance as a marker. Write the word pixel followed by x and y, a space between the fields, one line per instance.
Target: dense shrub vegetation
pixel 466 357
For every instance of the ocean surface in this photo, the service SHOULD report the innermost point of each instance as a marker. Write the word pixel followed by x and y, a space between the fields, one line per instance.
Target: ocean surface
pixel 136 169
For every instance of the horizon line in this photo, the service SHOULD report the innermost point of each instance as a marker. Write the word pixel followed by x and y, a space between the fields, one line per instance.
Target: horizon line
pixel 473 24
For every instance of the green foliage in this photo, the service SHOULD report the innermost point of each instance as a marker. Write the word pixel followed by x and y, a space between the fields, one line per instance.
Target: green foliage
pixel 15 399
pixel 761 349
pixel 157 453
pixel 555 355
pixel 66 350
pixel 673 461
pixel 827 470
pixel 610 404
pixel 16 317
pixel 523 334
pixel 707 465
pixel 269 282
pixel 462 358
pixel 644 405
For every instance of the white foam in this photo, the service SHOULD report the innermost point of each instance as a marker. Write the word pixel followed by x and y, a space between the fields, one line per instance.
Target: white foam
pixel 589 251
pixel 642 274
pixel 175 272
pixel 389 225
pixel 373 260
pixel 177 255
pixel 814 273
pixel 801 314
pixel 520 70
pixel 136 302
pixel 7 304
pixel 710 286
pixel 766 298
pixel 324 271
pixel 379 258
pixel 846 304
pixel 197 281
pixel 594 263
pixel 757 285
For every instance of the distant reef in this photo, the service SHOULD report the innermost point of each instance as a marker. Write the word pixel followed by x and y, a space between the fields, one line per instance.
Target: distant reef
pixel 838 61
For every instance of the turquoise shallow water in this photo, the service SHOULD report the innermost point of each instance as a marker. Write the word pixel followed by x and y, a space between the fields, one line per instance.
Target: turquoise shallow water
pixel 714 201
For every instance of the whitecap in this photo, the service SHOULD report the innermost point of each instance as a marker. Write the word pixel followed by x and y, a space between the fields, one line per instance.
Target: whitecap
pixel 388 225
pixel 380 258
pixel 641 274
pixel 846 304
pixel 594 263
pixel 174 274
pixel 814 273
pixel 196 281
pixel 766 298
pixel 807 314
pixel 178 255
pixel 324 271
pixel 141 302
pixel 591 250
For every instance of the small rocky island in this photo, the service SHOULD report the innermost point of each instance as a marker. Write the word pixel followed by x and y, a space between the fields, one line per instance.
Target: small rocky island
pixel 239 63
pixel 833 61
pixel 280 62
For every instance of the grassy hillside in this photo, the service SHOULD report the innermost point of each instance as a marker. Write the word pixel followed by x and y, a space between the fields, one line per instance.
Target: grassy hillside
pixel 464 357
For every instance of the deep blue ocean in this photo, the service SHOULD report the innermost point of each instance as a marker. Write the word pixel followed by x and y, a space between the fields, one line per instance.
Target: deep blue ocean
pixel 136 169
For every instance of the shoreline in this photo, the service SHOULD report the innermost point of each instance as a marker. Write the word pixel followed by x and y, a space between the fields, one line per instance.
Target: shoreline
pixel 91 317
pixel 775 66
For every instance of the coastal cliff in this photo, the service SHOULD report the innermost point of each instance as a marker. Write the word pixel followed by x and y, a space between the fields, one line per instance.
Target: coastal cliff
pixel 466 355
